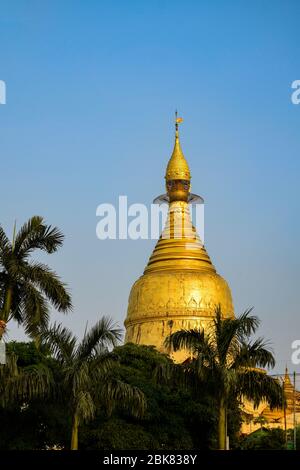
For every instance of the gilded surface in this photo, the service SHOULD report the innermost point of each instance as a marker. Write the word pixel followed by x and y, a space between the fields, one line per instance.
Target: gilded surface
pixel 178 167
pixel 180 287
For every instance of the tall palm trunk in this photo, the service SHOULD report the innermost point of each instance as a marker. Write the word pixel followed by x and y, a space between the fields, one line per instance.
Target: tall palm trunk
pixel 222 425
pixel 74 438
pixel 9 292
pixel 4 314
pixel 37 341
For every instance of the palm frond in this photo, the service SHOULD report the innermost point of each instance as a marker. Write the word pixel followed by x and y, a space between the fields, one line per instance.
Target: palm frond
pixel 229 331
pixel 248 324
pixel 35 381
pixel 185 339
pixel 5 245
pixel 61 342
pixel 218 326
pixel 23 384
pixel 35 315
pixel 117 393
pixel 257 386
pixel 254 354
pixel 170 373
pixel 85 406
pixel 17 307
pixel 186 375
pixel 34 234
pixel 10 369
pixel 103 335
pixel 50 284
pixel 10 264
pixel 101 364
pixel 77 376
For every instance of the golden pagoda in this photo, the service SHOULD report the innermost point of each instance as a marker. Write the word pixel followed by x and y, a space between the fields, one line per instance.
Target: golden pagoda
pixel 180 287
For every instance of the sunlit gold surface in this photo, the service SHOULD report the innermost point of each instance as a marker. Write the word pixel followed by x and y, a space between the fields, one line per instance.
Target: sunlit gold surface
pixel 177 167
pixel 180 287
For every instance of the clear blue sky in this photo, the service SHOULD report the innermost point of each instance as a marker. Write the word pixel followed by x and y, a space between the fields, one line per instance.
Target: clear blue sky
pixel 91 91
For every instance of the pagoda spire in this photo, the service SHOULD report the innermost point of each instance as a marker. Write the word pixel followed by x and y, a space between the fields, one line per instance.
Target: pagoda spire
pixel 287 381
pixel 178 168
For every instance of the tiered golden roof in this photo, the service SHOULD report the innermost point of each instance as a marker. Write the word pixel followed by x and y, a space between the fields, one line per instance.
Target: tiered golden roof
pixel 180 287
pixel 179 247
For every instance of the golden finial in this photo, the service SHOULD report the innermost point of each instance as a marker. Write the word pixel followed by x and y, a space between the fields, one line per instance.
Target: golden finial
pixel 178 120
pixel 177 168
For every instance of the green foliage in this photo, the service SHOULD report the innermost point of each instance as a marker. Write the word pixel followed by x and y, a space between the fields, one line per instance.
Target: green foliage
pixel 264 439
pixel 27 354
pixel 173 420
pixel 31 420
pixel 290 438
pixel 19 385
pixel 87 368
pixel 116 433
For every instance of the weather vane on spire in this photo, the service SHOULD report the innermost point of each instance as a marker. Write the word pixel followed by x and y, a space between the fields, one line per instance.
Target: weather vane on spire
pixel 178 120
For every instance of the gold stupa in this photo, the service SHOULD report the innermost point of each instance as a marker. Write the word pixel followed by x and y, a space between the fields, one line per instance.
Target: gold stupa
pixel 180 287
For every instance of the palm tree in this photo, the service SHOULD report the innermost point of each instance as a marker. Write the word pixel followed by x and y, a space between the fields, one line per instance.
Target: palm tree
pixel 225 357
pixel 261 420
pixel 23 384
pixel 86 369
pixel 27 286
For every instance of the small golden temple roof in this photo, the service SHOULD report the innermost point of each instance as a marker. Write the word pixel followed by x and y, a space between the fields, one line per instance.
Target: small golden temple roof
pixel 177 168
pixel 287 384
